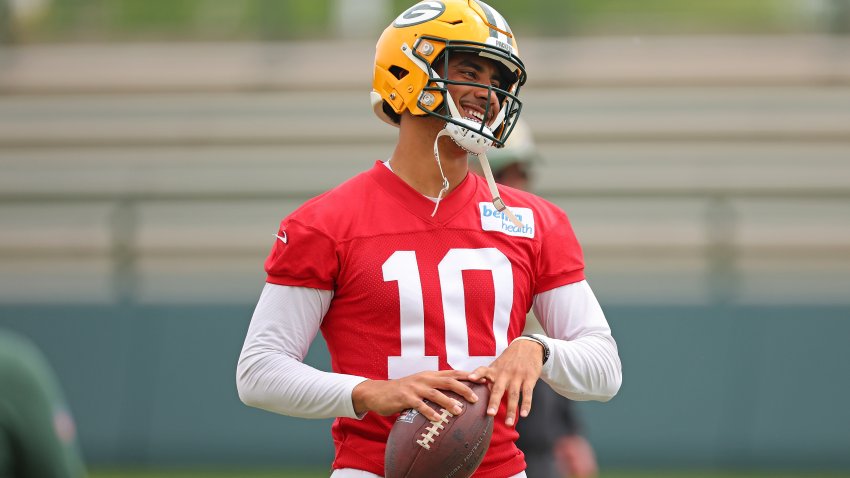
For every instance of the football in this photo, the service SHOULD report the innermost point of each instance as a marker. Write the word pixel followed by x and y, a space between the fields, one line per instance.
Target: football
pixel 450 448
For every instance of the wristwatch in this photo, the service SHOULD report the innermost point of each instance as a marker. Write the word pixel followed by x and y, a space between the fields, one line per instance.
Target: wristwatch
pixel 537 338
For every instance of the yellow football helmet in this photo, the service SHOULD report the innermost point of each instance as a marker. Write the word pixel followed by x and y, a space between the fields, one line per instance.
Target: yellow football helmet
pixel 427 33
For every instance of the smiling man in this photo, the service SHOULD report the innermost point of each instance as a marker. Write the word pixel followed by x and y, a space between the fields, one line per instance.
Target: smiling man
pixel 418 274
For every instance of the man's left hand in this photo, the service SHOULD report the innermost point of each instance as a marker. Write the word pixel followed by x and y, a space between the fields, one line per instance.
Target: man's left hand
pixel 512 374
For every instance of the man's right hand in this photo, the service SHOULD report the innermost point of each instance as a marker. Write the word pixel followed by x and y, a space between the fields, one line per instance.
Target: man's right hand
pixel 386 397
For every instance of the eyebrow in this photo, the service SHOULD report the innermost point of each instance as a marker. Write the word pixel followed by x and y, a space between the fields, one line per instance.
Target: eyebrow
pixel 479 68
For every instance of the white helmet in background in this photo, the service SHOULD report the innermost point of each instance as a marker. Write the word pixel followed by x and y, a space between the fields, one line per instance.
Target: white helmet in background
pixel 519 148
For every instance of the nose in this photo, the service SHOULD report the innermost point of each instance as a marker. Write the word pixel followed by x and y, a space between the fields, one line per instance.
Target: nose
pixel 488 99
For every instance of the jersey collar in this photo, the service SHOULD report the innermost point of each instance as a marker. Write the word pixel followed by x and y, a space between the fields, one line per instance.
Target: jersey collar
pixel 419 205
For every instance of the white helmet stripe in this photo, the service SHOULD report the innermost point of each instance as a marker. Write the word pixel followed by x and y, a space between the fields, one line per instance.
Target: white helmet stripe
pixel 495 18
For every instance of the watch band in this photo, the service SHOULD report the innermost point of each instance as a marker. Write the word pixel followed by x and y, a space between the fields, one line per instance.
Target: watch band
pixel 536 338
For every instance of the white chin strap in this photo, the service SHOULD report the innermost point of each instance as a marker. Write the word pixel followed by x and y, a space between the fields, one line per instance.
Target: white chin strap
pixel 477 144
pixel 485 166
pixel 445 188
pixel 491 183
pixel 467 137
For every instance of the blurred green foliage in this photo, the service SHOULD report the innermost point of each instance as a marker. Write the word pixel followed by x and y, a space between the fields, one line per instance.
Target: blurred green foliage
pixel 224 20
pixel 629 17
pixel 182 20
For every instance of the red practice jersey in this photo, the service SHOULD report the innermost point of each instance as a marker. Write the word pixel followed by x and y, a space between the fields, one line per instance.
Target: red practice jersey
pixel 414 292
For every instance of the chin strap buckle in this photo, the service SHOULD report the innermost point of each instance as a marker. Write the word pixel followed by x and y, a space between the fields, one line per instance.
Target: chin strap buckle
pixel 499 204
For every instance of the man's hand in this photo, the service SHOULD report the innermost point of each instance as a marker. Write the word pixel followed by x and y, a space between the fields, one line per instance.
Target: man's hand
pixel 386 397
pixel 513 373
pixel 575 457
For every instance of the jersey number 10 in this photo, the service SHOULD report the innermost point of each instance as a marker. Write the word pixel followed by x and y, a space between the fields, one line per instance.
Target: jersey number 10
pixel 403 268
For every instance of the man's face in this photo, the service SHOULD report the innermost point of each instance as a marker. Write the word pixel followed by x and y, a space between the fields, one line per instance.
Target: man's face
pixel 514 175
pixel 472 101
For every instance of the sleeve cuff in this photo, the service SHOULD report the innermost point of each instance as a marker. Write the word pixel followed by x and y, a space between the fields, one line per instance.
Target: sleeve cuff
pixel 547 367
pixel 356 380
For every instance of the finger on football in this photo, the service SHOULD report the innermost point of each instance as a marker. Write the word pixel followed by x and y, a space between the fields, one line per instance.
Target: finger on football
pixel 443 401
pixel 461 388
pixel 427 411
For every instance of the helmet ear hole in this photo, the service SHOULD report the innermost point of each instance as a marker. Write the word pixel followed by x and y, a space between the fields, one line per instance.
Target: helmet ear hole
pixel 398 72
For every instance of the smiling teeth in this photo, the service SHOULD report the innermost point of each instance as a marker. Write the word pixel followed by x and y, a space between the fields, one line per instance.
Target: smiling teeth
pixel 477 116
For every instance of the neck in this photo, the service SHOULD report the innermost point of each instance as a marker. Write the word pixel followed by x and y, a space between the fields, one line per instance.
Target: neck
pixel 413 158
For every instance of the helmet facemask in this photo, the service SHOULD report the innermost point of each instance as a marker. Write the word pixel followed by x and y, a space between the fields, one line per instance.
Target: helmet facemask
pixel 435 99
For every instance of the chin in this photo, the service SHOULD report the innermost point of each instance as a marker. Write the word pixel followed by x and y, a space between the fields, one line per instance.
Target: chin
pixel 452 150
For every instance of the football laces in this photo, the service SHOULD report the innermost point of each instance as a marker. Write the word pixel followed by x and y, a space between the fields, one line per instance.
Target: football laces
pixel 433 431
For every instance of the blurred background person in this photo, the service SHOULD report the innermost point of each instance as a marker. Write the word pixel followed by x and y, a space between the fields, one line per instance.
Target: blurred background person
pixel 551 436
pixel 37 433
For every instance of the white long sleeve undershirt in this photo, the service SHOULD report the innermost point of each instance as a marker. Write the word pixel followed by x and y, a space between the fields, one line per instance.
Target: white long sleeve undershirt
pixel 583 364
pixel 271 374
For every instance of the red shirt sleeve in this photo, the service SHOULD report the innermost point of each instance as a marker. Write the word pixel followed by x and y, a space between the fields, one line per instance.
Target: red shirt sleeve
pixel 302 256
pixel 561 260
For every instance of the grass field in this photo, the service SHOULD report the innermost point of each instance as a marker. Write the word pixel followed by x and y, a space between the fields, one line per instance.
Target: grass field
pixel 324 474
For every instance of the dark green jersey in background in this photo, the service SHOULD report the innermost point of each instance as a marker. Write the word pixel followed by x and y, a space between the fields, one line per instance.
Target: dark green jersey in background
pixel 37 433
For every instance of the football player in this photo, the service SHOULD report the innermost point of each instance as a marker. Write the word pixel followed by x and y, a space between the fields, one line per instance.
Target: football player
pixel 418 274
